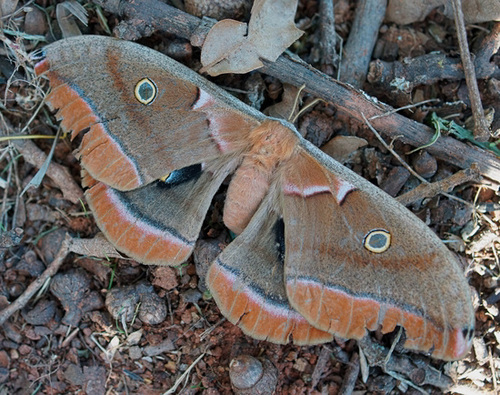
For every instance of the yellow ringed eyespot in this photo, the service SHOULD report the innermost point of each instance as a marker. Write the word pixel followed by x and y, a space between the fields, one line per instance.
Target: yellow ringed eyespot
pixel 377 241
pixel 145 91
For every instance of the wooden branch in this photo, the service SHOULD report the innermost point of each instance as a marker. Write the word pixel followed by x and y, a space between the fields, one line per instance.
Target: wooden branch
pixel 51 270
pixel 443 186
pixel 98 247
pixel 362 38
pixel 328 37
pixel 351 375
pixel 422 70
pixel 348 100
pixel 59 174
pixel 481 129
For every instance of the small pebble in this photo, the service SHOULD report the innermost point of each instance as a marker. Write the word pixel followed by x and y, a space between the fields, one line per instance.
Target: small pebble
pixel 35 22
pixel 425 164
pixel 135 353
pixel 191 296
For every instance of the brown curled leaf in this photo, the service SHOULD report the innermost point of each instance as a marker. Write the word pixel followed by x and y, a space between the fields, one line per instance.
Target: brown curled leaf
pixel 235 47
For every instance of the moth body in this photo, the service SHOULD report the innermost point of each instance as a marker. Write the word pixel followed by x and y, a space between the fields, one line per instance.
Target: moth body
pixel 320 250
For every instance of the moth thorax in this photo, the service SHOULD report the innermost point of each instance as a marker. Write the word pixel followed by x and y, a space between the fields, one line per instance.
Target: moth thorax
pixel 272 142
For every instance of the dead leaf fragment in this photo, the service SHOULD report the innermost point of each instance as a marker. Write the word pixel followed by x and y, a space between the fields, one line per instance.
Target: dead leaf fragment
pixel 235 47
pixel 341 148
pixel 287 107
pixel 73 291
pixel 66 12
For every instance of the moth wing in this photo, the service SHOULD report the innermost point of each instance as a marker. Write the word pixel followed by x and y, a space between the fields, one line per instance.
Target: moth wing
pixel 182 120
pixel 357 260
pixel 246 281
pixel 158 223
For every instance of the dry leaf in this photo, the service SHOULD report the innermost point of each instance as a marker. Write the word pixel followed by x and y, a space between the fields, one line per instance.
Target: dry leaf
pixel 66 12
pixel 287 107
pixel 340 148
pixel 409 11
pixel 235 47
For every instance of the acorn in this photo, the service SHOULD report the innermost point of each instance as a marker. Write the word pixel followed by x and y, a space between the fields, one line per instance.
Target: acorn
pixel 250 375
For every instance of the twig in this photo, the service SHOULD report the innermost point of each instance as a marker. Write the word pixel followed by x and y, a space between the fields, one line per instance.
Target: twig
pixel 351 102
pixel 320 368
pixel 351 375
pixel 407 107
pixel 434 188
pixel 183 376
pixel 407 382
pixel 422 70
pixel 59 174
pixel 98 247
pixel 481 129
pixel 328 37
pixel 362 38
pixel 408 167
pixel 51 270
pixel 69 338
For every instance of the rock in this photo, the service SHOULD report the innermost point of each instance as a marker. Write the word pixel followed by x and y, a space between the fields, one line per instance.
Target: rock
pixel 124 300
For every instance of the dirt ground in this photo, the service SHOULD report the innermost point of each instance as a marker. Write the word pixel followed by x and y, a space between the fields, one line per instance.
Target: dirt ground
pixel 169 334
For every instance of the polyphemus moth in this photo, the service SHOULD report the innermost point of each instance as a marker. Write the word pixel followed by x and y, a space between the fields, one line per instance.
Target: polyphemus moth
pixel 320 251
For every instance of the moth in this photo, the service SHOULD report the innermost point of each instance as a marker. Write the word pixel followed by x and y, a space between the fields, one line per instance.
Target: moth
pixel 320 251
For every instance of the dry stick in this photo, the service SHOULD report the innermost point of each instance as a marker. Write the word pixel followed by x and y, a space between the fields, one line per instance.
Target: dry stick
pixel 6 194
pixel 422 70
pixel 351 375
pixel 433 67
pixel 98 246
pixel 183 376
pixel 362 38
pixel 320 368
pixel 434 188
pixel 59 174
pixel 413 172
pixel 328 37
pixel 151 15
pixel 51 270
pixel 481 130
